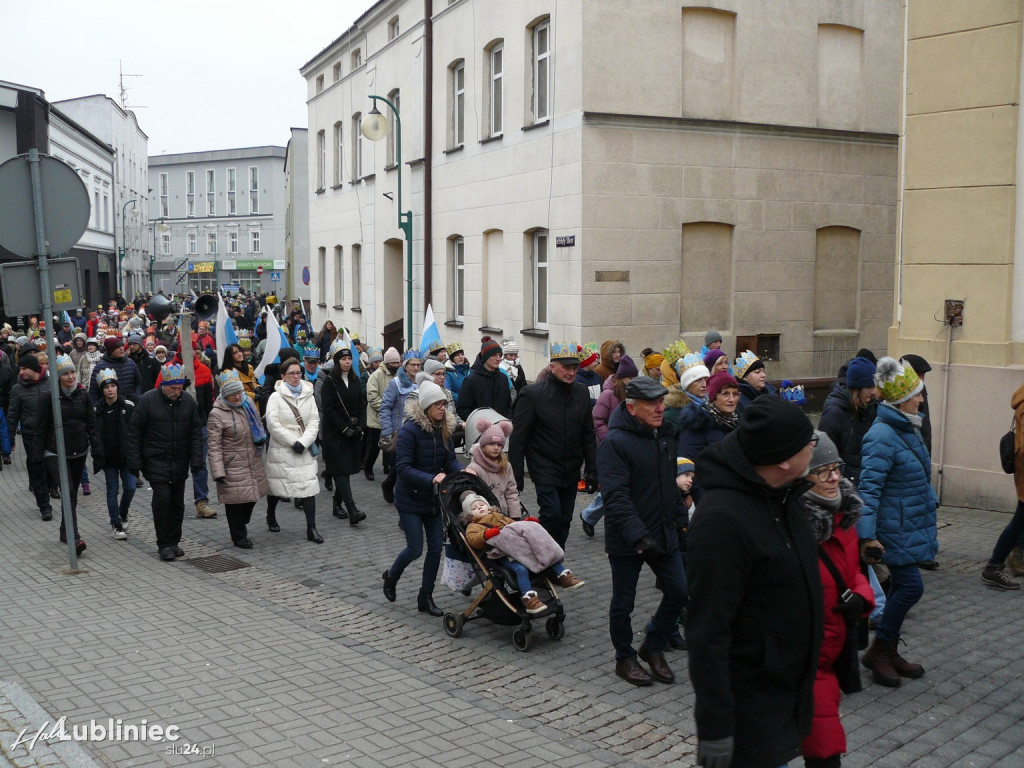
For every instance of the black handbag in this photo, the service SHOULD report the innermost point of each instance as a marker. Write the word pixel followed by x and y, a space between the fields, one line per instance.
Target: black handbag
pixel 845 666
pixel 1007 452
pixel 353 429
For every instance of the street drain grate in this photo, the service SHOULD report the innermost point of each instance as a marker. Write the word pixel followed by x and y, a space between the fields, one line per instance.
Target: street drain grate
pixel 217 563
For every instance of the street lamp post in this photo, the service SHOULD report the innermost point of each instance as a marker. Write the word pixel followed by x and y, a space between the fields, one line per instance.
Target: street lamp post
pixel 375 127
pixel 124 248
pixel 152 254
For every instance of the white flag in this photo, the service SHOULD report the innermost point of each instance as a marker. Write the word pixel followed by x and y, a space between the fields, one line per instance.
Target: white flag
pixel 273 348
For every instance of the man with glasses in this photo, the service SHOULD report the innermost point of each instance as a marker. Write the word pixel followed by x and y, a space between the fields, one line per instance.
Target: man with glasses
pixel 755 617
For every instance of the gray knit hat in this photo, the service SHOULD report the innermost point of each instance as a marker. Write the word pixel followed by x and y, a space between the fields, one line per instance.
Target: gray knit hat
pixel 432 366
pixel 825 451
pixel 430 393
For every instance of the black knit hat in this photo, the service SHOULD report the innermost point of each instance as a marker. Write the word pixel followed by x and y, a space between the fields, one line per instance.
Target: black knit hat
pixel 918 363
pixel 773 430
pixel 30 361
pixel 867 354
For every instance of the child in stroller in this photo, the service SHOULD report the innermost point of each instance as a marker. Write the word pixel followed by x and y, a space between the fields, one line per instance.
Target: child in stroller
pixel 484 522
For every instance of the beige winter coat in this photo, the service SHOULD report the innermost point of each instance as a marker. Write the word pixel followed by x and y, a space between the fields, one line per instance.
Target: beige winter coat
pixel 375 387
pixel 234 456
pixel 292 475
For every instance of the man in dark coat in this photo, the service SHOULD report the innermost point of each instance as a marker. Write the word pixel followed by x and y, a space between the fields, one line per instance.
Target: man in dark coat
pixel 643 507
pixel 128 379
pixel 754 621
pixel 554 433
pixel 165 439
pixel 486 386
pixel 26 398
pixel 149 367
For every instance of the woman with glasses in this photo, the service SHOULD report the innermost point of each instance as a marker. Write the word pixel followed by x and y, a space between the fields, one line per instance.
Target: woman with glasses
pixel 293 423
pixel 708 422
pixel 832 507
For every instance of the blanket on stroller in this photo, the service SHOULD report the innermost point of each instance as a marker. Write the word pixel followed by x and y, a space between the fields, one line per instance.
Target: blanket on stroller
pixel 528 543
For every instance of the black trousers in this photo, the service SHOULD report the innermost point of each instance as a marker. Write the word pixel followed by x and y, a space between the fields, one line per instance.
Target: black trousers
pixel 38 476
pixel 168 511
pixel 75 467
pixel 238 516
pixel 373 450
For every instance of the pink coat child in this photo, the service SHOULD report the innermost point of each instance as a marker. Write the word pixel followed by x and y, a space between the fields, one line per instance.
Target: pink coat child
pixel 491 465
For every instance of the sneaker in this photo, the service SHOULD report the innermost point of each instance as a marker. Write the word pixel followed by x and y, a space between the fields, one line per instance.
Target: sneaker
pixel 204 511
pixel 79 547
pixel 567 581
pixel 995 576
pixel 117 532
pixel 86 490
pixel 532 603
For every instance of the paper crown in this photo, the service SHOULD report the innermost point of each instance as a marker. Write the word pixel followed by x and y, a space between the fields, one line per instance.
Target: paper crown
pixel 897 382
pixel 793 392
pixel 311 353
pixel 227 375
pixel 436 346
pixel 675 350
pixel 411 354
pixel 245 342
pixel 354 336
pixel 300 334
pixel 686 362
pixel 565 350
pixel 172 373
pixel 336 346
pixel 743 363
pixel 65 365
pixel 589 354
pixel 105 375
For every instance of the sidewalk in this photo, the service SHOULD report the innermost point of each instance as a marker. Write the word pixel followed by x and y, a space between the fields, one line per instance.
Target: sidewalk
pixel 299 660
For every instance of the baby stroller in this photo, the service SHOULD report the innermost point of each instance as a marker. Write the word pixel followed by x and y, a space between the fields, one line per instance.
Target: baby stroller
pixel 499 601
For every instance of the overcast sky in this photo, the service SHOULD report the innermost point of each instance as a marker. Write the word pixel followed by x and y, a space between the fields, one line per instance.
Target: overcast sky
pixel 215 74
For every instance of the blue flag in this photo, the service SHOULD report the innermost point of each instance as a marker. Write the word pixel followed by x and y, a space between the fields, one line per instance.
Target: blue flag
pixel 430 334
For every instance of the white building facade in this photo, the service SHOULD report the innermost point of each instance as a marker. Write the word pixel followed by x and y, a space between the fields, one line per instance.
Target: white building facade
pixel 733 167
pixel 296 236
pixel 217 219
pixel 102 117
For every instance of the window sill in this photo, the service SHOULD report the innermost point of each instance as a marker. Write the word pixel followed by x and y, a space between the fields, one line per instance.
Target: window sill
pixel 453 150
pixel 356 309
pixel 453 323
pixel 538 124
pixel 495 137
pixel 415 163
pixel 490 329
pixel 390 167
pixel 540 333
pixel 337 186
pixel 319 191
pixel 322 306
pixel 338 306
pixel 369 177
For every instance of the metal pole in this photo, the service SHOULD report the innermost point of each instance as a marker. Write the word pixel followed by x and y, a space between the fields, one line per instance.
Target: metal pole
pixel 51 353
pixel 124 248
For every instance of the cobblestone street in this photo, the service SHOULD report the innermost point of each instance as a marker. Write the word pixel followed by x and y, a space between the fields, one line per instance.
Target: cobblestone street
pixel 299 659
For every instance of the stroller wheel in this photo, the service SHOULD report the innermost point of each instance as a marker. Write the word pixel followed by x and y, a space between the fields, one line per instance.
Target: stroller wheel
pixel 555 628
pixel 453 623
pixel 522 639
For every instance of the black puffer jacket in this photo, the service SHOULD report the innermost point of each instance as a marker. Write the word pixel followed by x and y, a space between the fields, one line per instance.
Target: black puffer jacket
pixel 754 621
pixel 79 422
pixel 638 484
pixel 112 420
pixel 165 437
pixel 129 383
pixel 554 433
pixel 697 430
pixel 484 389
pixel 149 370
pixel 25 405
pixel 845 428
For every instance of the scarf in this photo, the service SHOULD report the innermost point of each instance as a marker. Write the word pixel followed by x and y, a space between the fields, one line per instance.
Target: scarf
pixel 70 391
pixel 822 517
pixel 695 398
pixel 296 390
pixel 916 419
pixel 252 416
pixel 726 421
pixel 93 357
pixel 490 465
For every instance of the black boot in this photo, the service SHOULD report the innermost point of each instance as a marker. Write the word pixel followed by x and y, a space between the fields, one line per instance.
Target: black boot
pixel 355 514
pixel 425 603
pixel 345 487
pixel 314 535
pixel 389 586
pixel 272 521
pixel 328 480
pixel 339 511
pixel 309 508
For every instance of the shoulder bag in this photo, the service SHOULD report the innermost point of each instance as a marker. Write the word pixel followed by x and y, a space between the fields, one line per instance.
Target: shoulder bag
pixel 314 449
pixel 845 665
pixel 352 429
pixel 1007 450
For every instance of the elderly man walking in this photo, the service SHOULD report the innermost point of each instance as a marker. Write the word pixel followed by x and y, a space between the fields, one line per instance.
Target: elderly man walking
pixel 554 433
pixel 643 506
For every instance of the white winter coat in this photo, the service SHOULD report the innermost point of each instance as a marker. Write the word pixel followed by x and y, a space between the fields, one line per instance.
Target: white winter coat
pixel 292 475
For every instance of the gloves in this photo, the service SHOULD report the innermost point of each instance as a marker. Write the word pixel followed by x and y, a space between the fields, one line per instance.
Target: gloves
pixel 647 548
pixel 852 609
pixel 220 479
pixel 298 447
pixel 592 484
pixel 490 533
pixel 715 754
pixel 531 519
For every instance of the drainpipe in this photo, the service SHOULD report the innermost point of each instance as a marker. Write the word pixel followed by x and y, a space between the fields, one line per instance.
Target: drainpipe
pixel 428 156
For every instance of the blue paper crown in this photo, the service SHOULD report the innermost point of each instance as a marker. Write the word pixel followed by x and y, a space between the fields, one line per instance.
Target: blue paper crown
pixel 562 350
pixel 793 392
pixel 684 363
pixel 743 363
pixel 411 354
pixel 311 353
pixel 107 374
pixel 172 373
pixel 337 345
pixel 227 375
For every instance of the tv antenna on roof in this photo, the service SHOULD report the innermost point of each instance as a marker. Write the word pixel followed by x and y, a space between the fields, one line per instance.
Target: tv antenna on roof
pixel 124 90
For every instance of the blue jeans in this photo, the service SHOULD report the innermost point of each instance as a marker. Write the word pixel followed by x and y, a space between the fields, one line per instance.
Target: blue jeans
pixel 906 588
pixel 594 511
pixel 879 594
pixel 671 580
pixel 114 510
pixel 415 526
pixel 1012 536
pixel 555 507
pixel 523 573
pixel 200 482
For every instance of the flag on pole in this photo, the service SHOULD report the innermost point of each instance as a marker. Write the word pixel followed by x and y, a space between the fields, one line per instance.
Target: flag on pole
pixel 430 334
pixel 276 341
pixel 225 334
pixel 67 317
pixel 347 340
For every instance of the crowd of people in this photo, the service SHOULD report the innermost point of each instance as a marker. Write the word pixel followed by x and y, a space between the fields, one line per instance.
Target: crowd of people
pixel 772 543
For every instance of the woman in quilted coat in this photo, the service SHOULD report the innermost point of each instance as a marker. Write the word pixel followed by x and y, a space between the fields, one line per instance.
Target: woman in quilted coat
pixel 898 523
pixel 236 439
pixel 833 508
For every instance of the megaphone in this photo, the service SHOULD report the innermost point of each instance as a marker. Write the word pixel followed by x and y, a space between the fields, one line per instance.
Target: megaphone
pixel 205 307
pixel 159 307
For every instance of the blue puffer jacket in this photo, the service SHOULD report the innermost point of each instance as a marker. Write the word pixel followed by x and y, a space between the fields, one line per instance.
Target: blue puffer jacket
pixel 899 502
pixel 422 453
pixel 454 376
pixel 392 407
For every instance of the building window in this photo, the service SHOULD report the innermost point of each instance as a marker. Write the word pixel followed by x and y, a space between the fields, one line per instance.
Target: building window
pixel 395 97
pixel 357 147
pixel 164 198
pixel 321 265
pixel 357 59
pixel 457 108
pixel 541 59
pixel 840 76
pixel 337 71
pixel 95 209
pixel 190 194
pixel 709 63
pixel 494 89
pixel 254 241
pixel 339 275
pixel 211 193
pixel 245 279
pixel 319 83
pixel 836 278
pixel 233 241
pixel 356 284
pixel 321 160
pixel 191 239
pixel 539 262
pixel 254 189
pixel 457 268
pixel 106 213
pixel 165 244
pixel 706 251
pixel 232 181
pixel 339 153
pixel 393 28
pixel 203 282
pixel 211 242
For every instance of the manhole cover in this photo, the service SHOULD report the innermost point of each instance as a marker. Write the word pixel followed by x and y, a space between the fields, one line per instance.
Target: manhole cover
pixel 217 563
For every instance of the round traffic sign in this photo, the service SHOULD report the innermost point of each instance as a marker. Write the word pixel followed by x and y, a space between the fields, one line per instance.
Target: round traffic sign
pixel 305 275
pixel 259 270
pixel 65 206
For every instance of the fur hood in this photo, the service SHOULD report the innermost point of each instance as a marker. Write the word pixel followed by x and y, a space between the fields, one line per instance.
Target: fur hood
pixel 823 519
pixel 676 398
pixel 414 413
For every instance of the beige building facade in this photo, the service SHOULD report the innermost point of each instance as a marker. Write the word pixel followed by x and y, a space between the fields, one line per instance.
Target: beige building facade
pixel 732 166
pixel 962 233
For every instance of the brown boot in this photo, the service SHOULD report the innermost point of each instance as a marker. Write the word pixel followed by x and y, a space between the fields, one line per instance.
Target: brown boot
pixel 903 667
pixel 878 658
